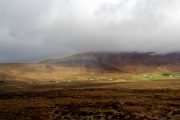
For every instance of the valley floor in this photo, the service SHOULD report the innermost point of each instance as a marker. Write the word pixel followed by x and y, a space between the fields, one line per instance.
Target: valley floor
pixel 150 100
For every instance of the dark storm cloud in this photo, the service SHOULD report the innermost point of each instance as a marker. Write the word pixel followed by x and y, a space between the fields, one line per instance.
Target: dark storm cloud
pixel 36 29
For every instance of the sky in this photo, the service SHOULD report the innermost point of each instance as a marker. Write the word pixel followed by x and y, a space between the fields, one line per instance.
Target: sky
pixel 32 30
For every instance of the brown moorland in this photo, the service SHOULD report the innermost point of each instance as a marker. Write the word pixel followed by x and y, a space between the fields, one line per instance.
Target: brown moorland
pixel 98 86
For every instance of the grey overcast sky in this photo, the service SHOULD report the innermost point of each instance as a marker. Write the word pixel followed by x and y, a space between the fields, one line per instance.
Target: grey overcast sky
pixel 31 30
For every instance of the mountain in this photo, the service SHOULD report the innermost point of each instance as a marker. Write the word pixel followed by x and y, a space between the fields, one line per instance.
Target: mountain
pixel 119 61
pixel 85 59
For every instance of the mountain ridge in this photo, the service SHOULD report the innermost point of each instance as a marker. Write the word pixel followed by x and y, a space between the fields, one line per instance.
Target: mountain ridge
pixel 117 61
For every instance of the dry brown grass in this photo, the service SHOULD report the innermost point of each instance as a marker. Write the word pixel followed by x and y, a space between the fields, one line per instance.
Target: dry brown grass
pixel 108 103
pixel 42 92
pixel 43 73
